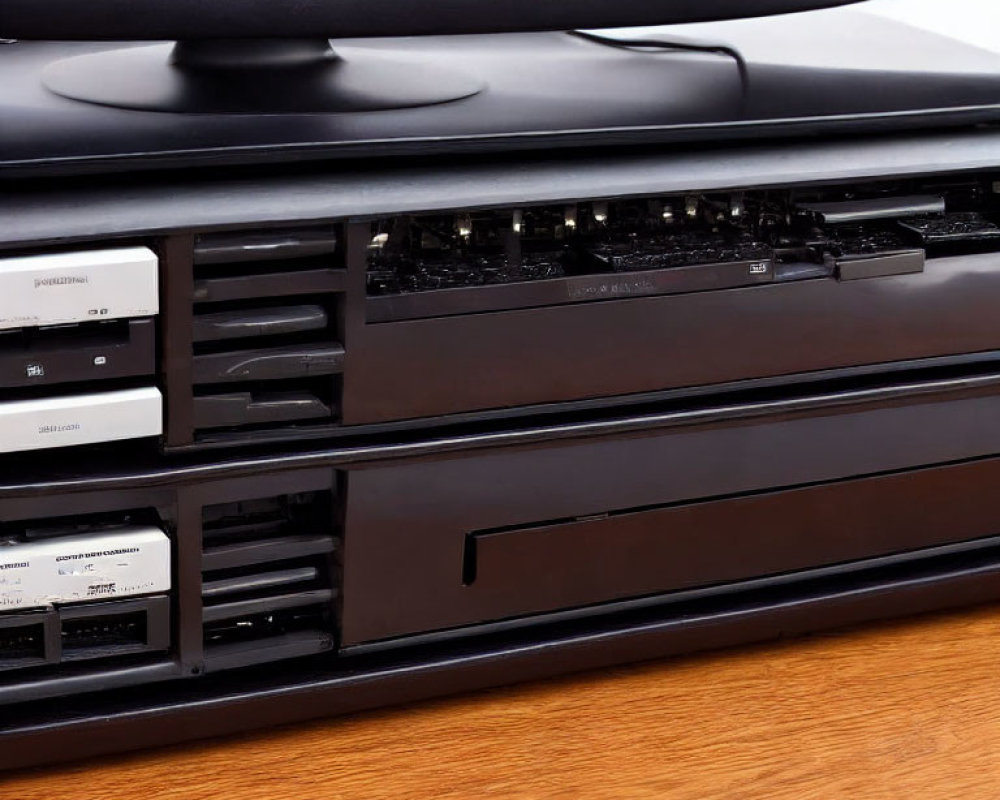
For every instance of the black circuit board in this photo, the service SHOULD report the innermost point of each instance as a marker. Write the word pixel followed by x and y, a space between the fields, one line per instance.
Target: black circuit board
pixel 488 248
pixel 402 274
pixel 686 248
pixel 861 240
pixel 966 226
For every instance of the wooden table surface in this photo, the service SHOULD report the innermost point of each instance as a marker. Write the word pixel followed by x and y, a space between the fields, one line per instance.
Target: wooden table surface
pixel 908 710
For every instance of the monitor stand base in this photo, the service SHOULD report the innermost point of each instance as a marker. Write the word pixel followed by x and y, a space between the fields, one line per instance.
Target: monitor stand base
pixel 255 76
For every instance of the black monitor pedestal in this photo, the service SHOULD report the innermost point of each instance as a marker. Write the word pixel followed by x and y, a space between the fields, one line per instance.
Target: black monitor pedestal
pixel 255 75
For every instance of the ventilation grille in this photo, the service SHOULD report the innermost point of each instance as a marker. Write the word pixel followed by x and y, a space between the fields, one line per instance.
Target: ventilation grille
pixel 266 345
pixel 268 586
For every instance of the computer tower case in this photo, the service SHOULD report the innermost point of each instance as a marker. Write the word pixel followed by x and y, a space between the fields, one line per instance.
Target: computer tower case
pixel 285 434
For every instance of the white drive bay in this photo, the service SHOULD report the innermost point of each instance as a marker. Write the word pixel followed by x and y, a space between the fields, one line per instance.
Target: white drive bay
pixel 71 569
pixel 82 286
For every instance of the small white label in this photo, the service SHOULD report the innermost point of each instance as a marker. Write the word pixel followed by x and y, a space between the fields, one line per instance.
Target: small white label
pixel 758 269
pixel 100 361
pixel 34 371
pixel 70 569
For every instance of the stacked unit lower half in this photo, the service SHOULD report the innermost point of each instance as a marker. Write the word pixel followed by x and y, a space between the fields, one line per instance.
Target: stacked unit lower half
pixel 334 580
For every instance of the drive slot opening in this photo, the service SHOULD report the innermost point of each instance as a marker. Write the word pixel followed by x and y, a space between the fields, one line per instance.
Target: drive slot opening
pixel 263 322
pixel 115 628
pixel 470 552
pixel 252 404
pixel 81 335
pixel 110 631
pixel 469 560
pixel 95 523
pixel 267 625
pixel 286 267
pixel 22 643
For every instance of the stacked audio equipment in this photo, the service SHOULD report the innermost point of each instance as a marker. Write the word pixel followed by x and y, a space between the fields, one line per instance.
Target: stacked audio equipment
pixel 288 439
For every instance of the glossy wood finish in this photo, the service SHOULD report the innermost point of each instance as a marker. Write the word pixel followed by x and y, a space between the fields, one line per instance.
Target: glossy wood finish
pixel 455 364
pixel 407 519
pixel 408 523
pixel 636 553
pixel 896 710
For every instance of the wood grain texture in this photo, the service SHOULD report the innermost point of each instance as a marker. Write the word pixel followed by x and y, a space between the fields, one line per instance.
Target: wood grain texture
pixel 909 710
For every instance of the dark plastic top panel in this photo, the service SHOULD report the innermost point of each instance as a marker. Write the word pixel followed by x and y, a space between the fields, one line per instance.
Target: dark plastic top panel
pixel 828 71
pixel 30 214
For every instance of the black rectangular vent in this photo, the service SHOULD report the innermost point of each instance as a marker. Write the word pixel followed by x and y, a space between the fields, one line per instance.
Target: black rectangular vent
pixel 266 330
pixel 268 579
pixel 28 640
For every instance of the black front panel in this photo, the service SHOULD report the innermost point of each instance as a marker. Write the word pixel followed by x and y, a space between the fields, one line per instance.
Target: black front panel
pixel 518 531
pixel 278 334
pixel 424 447
pixel 275 334
pixel 653 532
pixel 534 305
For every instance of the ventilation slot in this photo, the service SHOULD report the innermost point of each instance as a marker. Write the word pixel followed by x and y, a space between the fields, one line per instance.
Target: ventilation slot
pixel 268 585
pixel 266 339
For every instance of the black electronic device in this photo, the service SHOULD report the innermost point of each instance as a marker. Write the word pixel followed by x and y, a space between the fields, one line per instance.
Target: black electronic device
pixel 477 394
pixel 418 318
